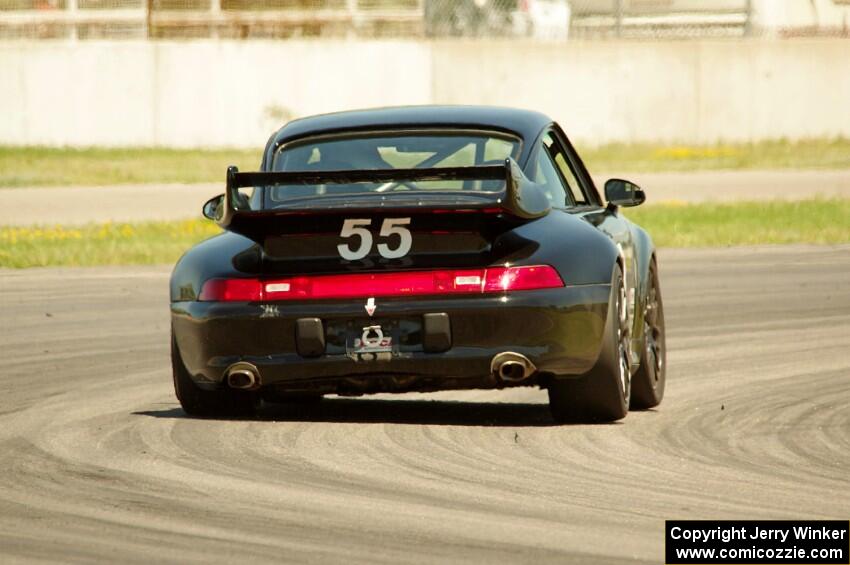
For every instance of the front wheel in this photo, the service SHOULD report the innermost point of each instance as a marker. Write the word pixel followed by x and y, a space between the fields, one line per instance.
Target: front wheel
pixel 207 403
pixel 602 394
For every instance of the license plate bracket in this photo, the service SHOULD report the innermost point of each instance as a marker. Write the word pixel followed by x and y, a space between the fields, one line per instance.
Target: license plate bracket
pixel 372 345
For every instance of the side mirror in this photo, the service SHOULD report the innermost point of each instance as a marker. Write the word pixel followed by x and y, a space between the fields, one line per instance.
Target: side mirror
pixel 214 208
pixel 619 192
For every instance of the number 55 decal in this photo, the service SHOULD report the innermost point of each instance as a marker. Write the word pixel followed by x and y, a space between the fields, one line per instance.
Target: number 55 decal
pixel 390 227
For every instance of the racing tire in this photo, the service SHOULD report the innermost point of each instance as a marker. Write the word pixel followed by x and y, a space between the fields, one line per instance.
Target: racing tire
pixel 195 401
pixel 649 380
pixel 602 394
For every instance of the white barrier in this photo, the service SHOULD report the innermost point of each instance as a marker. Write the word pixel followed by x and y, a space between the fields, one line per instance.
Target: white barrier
pixel 222 93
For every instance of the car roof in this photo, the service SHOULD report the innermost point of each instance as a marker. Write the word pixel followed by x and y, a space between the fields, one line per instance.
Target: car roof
pixel 524 123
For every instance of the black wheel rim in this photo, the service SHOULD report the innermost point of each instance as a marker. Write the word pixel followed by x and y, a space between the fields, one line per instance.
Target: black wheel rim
pixel 623 342
pixel 654 331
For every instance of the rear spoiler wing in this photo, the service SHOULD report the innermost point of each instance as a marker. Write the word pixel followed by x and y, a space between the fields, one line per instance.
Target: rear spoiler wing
pixel 520 197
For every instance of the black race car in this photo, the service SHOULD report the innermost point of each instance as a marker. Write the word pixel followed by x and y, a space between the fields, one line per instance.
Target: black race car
pixel 419 249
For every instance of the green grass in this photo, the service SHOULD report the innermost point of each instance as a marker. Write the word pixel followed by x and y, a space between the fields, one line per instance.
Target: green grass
pixel 671 225
pixel 44 166
pixel 145 243
pixel 777 154
pixel 745 223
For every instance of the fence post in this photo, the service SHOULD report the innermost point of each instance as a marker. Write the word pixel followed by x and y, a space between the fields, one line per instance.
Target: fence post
pixel 215 12
pixel 353 18
pixel 619 17
pixel 71 7
pixel 748 27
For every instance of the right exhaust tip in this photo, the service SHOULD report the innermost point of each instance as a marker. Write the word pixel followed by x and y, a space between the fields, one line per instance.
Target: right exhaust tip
pixel 512 371
pixel 243 376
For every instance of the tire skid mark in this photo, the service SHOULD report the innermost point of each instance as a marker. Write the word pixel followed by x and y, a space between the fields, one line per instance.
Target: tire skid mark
pixel 99 461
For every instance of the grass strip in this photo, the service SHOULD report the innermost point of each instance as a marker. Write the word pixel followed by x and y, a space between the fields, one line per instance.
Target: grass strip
pixel 50 166
pixel 144 243
pixel 775 154
pixel 819 221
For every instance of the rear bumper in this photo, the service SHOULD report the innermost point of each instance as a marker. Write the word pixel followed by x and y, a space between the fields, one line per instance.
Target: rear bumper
pixel 559 330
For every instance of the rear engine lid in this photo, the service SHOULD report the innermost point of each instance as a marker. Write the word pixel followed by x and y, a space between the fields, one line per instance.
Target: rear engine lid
pixel 376 230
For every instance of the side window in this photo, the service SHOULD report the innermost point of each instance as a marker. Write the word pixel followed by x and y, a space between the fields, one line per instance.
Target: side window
pixel 546 175
pixel 564 168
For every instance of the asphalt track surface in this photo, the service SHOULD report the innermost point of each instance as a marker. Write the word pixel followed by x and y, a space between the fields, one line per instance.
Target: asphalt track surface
pixel 98 463
pixel 135 203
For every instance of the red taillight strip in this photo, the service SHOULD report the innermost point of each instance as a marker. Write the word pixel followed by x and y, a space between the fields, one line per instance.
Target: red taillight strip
pixel 364 285
pixel 232 290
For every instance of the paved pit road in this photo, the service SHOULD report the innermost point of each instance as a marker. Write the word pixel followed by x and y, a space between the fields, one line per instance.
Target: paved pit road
pixel 97 461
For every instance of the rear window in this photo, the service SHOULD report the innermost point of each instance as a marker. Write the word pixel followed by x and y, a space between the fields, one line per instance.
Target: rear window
pixel 407 151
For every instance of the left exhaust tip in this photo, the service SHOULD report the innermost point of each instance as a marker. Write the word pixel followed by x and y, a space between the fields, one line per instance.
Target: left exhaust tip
pixel 243 376
pixel 512 367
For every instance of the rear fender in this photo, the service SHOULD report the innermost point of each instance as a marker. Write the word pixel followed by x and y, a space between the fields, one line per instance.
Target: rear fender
pixel 224 255
pixel 644 254
pixel 581 253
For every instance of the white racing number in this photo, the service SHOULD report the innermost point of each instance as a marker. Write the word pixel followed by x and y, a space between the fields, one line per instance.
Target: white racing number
pixel 352 228
pixel 389 227
pixel 393 226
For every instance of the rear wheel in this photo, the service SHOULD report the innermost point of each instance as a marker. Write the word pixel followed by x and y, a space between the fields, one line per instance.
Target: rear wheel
pixel 207 403
pixel 601 394
pixel 650 378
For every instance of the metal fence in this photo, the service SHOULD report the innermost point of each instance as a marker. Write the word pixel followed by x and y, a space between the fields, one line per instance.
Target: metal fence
pixel 552 20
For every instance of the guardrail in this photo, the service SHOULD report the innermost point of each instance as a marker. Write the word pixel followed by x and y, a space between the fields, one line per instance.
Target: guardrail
pixel 146 21
pixel 537 19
